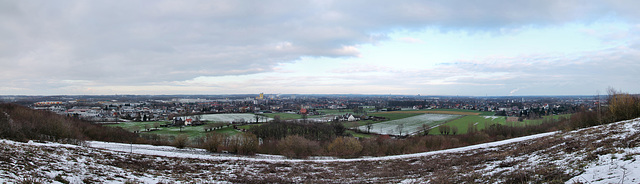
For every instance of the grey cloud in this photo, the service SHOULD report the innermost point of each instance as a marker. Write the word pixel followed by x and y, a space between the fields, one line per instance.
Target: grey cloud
pixel 145 42
pixel 585 73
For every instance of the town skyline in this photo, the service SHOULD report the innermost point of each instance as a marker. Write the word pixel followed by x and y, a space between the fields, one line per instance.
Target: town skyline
pixel 435 48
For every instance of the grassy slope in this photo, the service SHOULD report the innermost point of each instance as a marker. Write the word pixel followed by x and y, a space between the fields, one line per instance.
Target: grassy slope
pixel 556 159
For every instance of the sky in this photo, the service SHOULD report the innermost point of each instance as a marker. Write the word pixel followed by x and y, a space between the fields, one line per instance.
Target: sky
pixel 411 47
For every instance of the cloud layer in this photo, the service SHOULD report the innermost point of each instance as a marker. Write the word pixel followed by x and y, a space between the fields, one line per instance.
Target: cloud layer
pixel 105 47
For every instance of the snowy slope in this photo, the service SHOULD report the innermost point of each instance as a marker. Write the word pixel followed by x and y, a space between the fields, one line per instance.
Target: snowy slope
pixel 603 154
pixel 169 151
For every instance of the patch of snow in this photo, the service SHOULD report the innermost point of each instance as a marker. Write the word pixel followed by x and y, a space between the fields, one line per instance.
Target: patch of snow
pixel 408 125
pixel 612 168
pixel 491 117
pixel 169 151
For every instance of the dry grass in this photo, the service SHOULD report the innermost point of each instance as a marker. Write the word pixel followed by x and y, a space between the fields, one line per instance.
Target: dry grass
pixel 558 158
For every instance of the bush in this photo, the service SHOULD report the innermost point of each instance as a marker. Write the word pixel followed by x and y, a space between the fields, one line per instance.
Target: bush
pixel 298 147
pixel 623 106
pixel 310 131
pixel 181 141
pixel 246 144
pixel 344 147
pixel 213 141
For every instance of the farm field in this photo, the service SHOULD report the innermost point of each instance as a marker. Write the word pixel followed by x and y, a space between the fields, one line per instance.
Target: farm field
pixel 191 131
pixel 395 115
pixel 409 125
pixel 360 135
pixel 389 116
pixel 283 116
pixel 480 122
pixel 228 118
pixel 440 111
pixel 325 112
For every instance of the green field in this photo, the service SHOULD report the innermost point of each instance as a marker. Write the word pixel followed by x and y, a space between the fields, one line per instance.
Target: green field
pixel 481 122
pixel 192 131
pixel 409 125
pixel 289 116
pixel 283 116
pixel 248 126
pixel 482 113
pixel 475 118
pixel 360 135
pixel 389 116
pixel 479 119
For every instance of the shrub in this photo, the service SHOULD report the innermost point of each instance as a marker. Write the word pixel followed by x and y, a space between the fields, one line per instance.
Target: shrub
pixel 213 141
pixel 246 144
pixel 310 131
pixel 622 106
pixel 344 147
pixel 298 147
pixel 181 141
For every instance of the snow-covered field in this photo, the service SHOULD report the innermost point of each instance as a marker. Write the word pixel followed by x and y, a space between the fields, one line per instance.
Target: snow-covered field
pixel 238 117
pixel 408 125
pixel 603 154
pixel 493 117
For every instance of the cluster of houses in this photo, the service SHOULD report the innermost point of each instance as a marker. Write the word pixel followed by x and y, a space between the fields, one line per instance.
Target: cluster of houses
pixel 145 108
pixel 353 117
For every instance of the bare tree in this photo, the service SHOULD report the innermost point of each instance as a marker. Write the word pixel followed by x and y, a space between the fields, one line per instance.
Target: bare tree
pixel 134 129
pixel 258 118
pixel 400 128
pixel 425 129
pixel 369 126
pixel 181 141
pixel 444 129
pixel 197 118
pixel 454 130
pixel 213 141
pixel 344 147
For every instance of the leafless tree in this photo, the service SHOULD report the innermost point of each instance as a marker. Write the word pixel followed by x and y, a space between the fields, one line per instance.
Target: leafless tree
pixel 425 129
pixel 400 128
pixel 369 126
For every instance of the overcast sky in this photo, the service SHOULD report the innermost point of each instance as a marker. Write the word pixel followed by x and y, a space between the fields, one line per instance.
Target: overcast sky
pixel 447 47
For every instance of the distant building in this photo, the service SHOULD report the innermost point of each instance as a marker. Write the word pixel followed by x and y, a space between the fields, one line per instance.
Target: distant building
pixel 352 118
pixel 261 96
pixel 512 119
pixel 48 103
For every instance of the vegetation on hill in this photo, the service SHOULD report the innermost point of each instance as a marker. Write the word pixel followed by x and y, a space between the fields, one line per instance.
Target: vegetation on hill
pixel 300 140
pixel 21 124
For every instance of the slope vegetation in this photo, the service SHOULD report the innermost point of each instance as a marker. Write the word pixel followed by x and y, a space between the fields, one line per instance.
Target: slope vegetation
pixel 601 154
pixel 21 123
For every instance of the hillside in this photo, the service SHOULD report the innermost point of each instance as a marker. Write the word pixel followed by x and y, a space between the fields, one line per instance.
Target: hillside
pixel 601 154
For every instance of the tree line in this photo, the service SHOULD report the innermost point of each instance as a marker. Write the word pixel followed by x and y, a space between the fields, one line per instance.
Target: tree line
pixel 300 140
pixel 22 124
